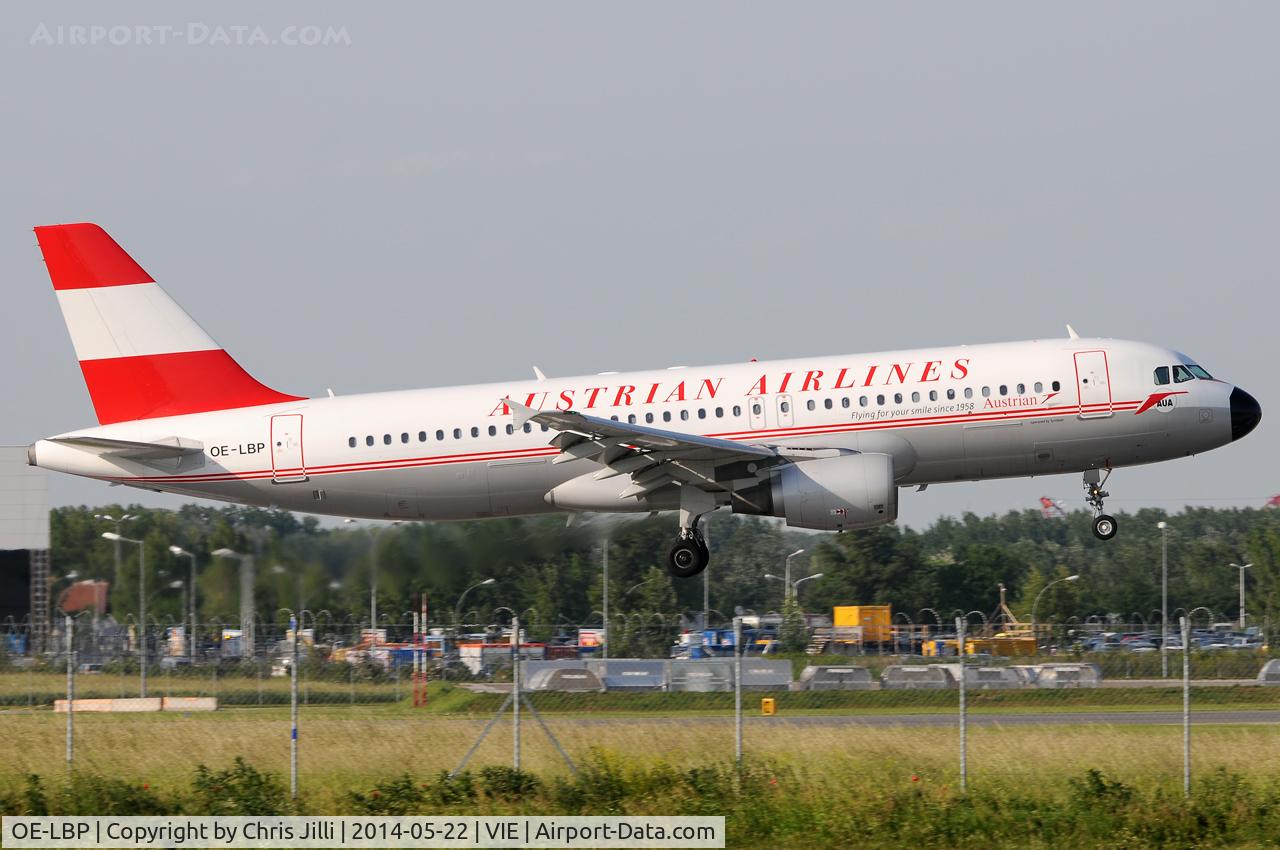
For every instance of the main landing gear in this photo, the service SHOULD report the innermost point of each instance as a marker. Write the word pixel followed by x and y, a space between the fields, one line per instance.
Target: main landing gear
pixel 1104 525
pixel 689 554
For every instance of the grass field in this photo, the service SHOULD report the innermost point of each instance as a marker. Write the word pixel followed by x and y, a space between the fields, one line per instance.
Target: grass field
pixel 802 786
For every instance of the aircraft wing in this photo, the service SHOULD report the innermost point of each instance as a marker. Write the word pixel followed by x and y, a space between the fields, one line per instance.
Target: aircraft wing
pixel 654 457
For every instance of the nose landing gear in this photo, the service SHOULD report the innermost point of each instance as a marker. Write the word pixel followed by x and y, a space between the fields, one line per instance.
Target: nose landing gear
pixel 1104 525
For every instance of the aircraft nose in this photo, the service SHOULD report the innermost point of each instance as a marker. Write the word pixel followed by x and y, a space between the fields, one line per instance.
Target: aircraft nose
pixel 1246 413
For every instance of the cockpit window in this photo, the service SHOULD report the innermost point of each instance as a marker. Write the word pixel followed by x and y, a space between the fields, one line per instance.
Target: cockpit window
pixel 1162 375
pixel 1200 373
pixel 1182 374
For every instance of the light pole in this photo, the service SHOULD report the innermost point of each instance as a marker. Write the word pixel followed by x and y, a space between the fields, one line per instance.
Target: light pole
pixel 795 588
pixel 191 600
pixel 457 609
pixel 790 588
pixel 1036 603
pixel 373 531
pixel 142 605
pixel 1242 568
pixel 117 522
pixel 246 597
pixel 787 571
pixel 604 604
pixel 1164 599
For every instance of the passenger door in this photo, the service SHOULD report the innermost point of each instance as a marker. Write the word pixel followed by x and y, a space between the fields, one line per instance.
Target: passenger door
pixel 1093 384
pixel 755 413
pixel 786 413
pixel 287 462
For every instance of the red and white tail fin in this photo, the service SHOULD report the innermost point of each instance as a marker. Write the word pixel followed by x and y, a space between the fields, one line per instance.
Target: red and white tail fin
pixel 141 354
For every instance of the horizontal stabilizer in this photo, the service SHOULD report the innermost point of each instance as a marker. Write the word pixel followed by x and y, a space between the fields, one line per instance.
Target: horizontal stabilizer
pixel 168 448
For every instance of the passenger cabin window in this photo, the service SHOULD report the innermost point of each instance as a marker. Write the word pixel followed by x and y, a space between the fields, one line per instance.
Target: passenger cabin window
pixel 951 394
pixel 1004 389
pixel 422 436
pixel 351 441
pixel 737 410
pixel 1022 389
pixel 719 413
pixel 810 404
pixel 986 391
pixel 933 395
pixel 457 433
pixel 862 401
pixel 386 439
pixel 511 429
pixel 1056 386
pixel 844 402
pixel 631 419
pixel 702 413
pixel 897 398
pixel 666 416
pixel 1039 387
pixel 915 397
pixel 648 418
pixel 439 435
pixel 475 432
pixel 968 392
pixel 1162 375
pixel 684 416
pixel 493 431
pixel 528 428
pixel 1181 374
pixel 404 437
pixel 826 403
pixel 755 410
pixel 880 400
pixel 368 441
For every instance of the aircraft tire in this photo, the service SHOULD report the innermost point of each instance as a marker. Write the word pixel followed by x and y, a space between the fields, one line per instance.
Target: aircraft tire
pixel 687 557
pixel 1104 527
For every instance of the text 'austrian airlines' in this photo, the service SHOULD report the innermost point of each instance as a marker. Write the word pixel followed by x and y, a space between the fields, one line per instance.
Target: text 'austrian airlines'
pixel 824 442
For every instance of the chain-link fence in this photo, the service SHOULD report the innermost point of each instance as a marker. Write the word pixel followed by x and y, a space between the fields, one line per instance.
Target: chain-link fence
pixel 1038 703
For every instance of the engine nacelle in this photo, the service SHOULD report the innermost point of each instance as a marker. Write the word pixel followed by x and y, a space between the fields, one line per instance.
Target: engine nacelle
pixel 829 494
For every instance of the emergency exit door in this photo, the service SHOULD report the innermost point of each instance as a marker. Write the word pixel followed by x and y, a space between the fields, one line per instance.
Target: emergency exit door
pixel 1093 383
pixel 287 463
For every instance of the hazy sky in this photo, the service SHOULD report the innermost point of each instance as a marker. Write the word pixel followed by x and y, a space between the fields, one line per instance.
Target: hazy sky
pixel 460 191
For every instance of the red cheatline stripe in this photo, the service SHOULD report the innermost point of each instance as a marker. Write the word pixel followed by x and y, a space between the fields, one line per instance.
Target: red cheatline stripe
pixel 536 452
pixel 80 256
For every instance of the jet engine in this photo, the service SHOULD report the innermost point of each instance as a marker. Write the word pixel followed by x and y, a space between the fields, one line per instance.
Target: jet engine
pixel 829 494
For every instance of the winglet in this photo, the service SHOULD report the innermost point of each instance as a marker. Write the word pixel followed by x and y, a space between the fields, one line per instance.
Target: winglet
pixel 520 413
pixel 1071 332
pixel 537 373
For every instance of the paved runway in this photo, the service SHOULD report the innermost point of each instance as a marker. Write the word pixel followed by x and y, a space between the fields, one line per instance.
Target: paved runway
pixel 1115 718
pixel 1074 718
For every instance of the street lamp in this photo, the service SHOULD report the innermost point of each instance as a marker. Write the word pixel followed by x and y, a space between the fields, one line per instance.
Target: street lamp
pixel 795 588
pixel 142 604
pixel 191 600
pixel 457 610
pixel 117 522
pixel 373 531
pixel 1036 603
pixel 787 572
pixel 246 597
pixel 1164 599
pixel 1242 568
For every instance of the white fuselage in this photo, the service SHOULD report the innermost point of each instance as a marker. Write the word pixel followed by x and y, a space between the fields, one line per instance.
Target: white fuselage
pixel 945 414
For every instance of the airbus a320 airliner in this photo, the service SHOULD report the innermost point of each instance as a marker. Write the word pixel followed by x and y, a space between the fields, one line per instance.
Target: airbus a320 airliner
pixel 825 442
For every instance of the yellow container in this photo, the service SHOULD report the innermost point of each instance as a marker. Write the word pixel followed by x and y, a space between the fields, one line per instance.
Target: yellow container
pixel 768 706
pixel 875 622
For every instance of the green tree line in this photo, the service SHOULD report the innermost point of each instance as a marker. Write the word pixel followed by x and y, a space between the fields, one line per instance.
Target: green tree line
pixel 550 572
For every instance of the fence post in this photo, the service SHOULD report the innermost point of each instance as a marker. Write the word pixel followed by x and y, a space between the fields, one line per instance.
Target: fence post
pixel 1186 708
pixel 515 692
pixel 71 692
pixel 293 710
pixel 737 690
pixel 964 718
